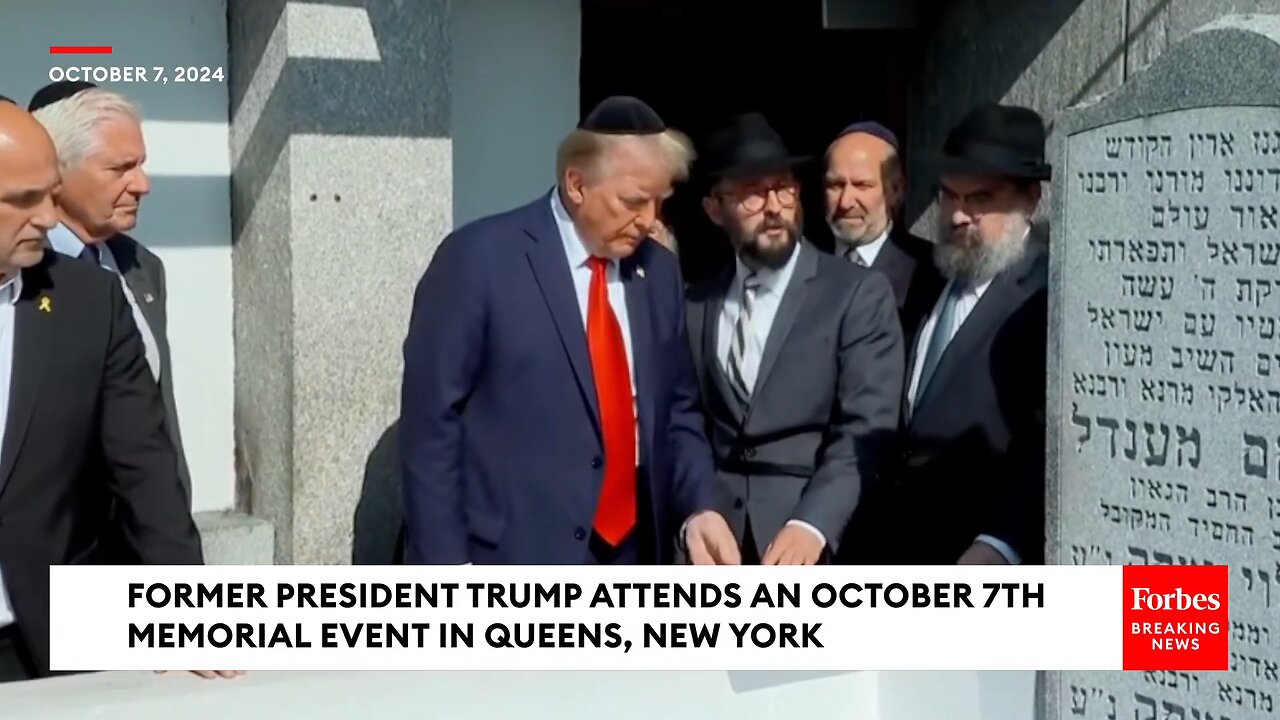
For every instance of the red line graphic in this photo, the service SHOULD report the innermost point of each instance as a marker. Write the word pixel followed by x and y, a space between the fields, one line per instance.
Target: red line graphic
pixel 80 50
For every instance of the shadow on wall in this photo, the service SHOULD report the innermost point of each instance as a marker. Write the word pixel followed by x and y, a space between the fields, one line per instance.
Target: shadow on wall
pixel 379 519
pixel 332 96
pixel 1090 42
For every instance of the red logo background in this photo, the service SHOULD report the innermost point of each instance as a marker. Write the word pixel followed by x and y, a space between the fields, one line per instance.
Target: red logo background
pixel 1140 652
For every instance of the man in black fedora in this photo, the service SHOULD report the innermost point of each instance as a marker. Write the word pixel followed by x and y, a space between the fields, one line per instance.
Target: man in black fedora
pixel 799 357
pixel 968 483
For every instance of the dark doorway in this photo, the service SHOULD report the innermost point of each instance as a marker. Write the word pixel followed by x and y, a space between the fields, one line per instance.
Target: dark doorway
pixel 699 61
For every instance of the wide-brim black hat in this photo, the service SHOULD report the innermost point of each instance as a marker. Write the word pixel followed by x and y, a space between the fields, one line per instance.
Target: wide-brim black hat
pixel 746 146
pixel 999 140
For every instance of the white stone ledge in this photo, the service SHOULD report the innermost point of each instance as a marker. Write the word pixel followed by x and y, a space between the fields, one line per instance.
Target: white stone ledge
pixel 525 695
pixel 232 538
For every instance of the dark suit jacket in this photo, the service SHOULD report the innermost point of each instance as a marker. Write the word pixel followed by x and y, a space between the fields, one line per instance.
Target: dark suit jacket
pixel 971 454
pixel 499 431
pixel 144 273
pixel 908 262
pixel 825 404
pixel 81 389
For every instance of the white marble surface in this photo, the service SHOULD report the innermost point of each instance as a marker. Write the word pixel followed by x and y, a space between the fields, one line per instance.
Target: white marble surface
pixel 559 695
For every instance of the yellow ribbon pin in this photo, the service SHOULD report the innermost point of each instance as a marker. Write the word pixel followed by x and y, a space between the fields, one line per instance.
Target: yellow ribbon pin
pixel 46 305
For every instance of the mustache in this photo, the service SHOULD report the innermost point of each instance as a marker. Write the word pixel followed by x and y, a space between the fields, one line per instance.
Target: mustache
pixel 773 224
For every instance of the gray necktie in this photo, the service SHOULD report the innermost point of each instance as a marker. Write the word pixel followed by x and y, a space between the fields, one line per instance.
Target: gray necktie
pixel 741 366
pixel 856 257
pixel 942 334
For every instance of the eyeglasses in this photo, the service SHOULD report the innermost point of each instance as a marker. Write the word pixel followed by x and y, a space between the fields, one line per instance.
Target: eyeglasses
pixel 754 200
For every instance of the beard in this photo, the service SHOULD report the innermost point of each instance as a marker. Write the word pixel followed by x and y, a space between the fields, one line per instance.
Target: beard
pixel 848 238
pixel 964 256
pixel 759 252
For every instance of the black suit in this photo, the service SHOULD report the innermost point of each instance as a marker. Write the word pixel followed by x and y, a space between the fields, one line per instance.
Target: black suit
pixel 971 455
pixel 81 392
pixel 908 262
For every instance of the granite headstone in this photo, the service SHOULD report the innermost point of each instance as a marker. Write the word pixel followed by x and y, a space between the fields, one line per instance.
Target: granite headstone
pixel 1165 354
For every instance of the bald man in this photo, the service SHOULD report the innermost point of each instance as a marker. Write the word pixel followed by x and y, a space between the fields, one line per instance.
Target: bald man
pixel 865 189
pixel 76 395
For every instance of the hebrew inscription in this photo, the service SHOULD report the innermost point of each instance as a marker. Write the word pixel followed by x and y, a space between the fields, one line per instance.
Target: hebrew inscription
pixel 1168 451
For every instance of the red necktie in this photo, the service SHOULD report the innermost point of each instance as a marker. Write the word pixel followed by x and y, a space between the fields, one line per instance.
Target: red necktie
pixel 616 513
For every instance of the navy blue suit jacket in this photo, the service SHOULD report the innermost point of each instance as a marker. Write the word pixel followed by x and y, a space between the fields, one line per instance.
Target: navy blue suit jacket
pixel 500 436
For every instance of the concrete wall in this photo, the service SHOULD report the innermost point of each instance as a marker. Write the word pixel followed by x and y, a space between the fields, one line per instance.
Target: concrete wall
pixel 515 94
pixel 1046 54
pixel 187 219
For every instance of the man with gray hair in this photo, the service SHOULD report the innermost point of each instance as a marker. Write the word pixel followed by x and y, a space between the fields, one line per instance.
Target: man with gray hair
pixel 101 152
pixel 549 409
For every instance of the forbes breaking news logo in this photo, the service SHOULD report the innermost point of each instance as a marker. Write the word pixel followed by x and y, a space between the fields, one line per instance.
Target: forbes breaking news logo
pixel 1176 617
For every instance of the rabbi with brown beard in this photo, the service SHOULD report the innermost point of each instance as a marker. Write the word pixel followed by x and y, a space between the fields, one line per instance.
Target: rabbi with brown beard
pixel 799 357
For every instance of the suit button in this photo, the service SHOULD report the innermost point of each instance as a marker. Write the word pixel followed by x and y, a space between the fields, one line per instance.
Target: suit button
pixel 579 534
pixel 596 462
pixel 749 452
pixel 737 503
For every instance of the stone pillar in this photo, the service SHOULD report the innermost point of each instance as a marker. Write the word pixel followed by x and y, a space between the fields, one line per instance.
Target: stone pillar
pixel 341 188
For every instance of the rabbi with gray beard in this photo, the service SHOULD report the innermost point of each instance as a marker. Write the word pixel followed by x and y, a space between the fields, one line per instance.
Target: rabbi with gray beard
pixel 967 484
pixel 799 357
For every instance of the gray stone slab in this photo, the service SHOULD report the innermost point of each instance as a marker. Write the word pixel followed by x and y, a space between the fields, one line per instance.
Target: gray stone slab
pixel 1164 402
pixel 1155 24
pixel 342 187
pixel 232 538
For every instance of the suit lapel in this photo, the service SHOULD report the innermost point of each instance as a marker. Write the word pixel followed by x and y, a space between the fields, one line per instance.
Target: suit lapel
pixel 897 266
pixel 551 271
pixel 138 279
pixel 32 349
pixel 793 298
pixel 639 318
pixel 1005 294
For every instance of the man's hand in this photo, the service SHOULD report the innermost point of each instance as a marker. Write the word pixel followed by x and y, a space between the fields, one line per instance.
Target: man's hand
pixel 794 545
pixel 710 541
pixel 211 674
pixel 981 553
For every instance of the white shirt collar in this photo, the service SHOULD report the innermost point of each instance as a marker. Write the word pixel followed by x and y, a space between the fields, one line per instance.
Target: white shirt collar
pixel 64 241
pixel 868 251
pixel 574 247
pixel 770 279
pixel 871 250
pixel 11 288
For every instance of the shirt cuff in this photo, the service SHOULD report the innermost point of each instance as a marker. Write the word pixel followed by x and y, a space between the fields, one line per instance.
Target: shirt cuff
pixel 682 540
pixel 1001 547
pixel 817 533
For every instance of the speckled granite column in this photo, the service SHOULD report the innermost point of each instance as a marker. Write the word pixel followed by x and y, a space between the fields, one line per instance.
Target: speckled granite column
pixel 341 188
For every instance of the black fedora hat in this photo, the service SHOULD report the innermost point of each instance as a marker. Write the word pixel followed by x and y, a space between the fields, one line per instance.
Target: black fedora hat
pixel 993 139
pixel 747 145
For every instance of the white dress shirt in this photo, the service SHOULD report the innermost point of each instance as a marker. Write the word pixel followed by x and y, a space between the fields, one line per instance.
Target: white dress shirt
pixel 65 242
pixel 967 301
pixel 871 250
pixel 10 291
pixel 773 285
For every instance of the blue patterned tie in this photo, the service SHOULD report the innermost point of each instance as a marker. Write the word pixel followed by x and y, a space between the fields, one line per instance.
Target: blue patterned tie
pixel 92 254
pixel 942 333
